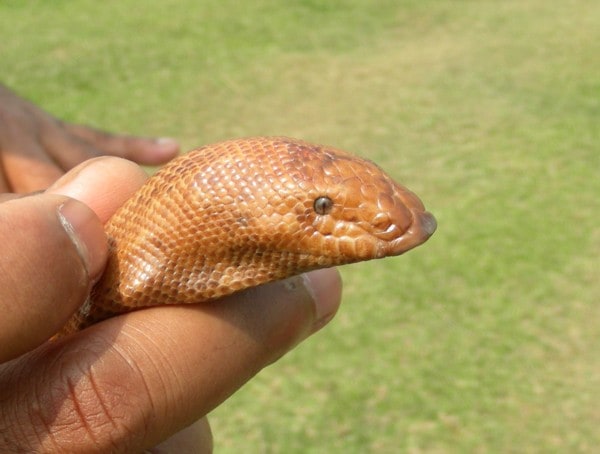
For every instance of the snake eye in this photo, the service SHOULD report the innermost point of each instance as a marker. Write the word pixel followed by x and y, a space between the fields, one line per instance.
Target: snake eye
pixel 323 205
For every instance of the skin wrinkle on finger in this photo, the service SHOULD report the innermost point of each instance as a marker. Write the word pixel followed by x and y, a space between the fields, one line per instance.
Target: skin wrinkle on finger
pixel 42 431
pixel 138 338
pixel 140 344
pixel 101 408
pixel 68 416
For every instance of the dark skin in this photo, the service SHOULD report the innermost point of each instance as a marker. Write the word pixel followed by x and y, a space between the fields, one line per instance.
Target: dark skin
pixel 141 381
pixel 37 148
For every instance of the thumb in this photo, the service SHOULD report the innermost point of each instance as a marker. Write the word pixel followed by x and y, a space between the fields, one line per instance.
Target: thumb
pixel 53 247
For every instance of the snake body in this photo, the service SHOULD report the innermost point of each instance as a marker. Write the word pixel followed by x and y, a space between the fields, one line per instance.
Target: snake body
pixel 244 212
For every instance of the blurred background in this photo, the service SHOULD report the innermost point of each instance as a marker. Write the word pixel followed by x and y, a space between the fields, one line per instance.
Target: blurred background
pixel 485 339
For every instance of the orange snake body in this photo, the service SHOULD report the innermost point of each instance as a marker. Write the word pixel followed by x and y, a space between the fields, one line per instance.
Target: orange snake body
pixel 244 212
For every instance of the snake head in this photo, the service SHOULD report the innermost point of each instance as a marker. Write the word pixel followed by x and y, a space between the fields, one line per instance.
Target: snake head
pixel 347 209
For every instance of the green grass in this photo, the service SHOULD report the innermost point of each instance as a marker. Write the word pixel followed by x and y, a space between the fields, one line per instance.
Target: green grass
pixel 487 339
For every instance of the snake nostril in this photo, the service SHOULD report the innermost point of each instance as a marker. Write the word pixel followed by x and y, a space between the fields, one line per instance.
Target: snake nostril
pixel 381 221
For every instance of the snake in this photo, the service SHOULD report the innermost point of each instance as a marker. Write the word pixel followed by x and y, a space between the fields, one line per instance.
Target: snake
pixel 240 213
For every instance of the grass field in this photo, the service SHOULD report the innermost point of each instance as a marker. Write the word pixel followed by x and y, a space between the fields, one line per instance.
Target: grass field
pixel 486 339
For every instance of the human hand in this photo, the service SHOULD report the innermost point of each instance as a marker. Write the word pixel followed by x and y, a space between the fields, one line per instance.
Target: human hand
pixel 36 148
pixel 130 382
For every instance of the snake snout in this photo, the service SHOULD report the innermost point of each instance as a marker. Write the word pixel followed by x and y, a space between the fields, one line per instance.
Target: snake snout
pixel 414 224
pixel 422 227
pixel 429 223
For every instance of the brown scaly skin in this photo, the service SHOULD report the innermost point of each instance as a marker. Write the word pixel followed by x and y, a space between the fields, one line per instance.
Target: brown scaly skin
pixel 241 213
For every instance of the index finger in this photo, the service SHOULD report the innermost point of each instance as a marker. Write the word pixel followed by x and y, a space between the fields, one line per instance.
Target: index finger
pixel 103 184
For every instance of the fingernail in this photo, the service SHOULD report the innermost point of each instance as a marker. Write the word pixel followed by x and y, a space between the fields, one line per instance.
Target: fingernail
pixel 86 233
pixel 167 145
pixel 325 287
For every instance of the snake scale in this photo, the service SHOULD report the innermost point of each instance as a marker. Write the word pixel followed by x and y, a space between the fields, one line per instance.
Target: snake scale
pixel 244 212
